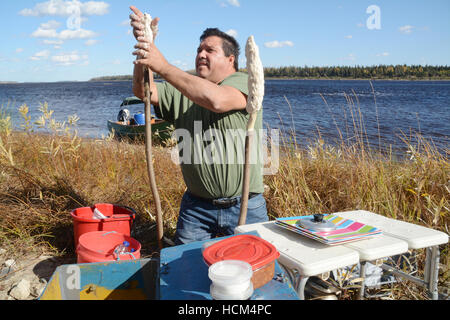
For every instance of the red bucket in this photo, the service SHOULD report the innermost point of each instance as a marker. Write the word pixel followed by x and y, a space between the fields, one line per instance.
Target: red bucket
pixel 98 246
pixel 119 219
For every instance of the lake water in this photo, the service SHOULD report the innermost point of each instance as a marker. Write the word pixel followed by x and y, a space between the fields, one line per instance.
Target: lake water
pixel 382 111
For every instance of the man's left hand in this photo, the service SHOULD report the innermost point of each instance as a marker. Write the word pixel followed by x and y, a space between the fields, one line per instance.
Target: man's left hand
pixel 149 56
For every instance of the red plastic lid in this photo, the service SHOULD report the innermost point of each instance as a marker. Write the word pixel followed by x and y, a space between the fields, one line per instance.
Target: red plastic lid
pixel 252 249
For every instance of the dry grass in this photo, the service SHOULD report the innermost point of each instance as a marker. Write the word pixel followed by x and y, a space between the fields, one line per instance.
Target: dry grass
pixel 326 179
pixel 45 176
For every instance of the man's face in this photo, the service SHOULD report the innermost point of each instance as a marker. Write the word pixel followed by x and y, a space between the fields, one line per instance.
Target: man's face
pixel 211 62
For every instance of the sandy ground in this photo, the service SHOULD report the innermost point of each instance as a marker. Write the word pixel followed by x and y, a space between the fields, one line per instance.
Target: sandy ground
pixel 32 270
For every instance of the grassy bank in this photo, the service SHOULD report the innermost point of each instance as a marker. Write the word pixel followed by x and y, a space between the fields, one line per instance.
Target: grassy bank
pixel 45 176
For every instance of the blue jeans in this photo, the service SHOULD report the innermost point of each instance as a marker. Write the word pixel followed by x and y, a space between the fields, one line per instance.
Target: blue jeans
pixel 201 220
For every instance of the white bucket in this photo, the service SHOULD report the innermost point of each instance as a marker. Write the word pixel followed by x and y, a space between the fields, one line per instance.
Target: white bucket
pixel 231 280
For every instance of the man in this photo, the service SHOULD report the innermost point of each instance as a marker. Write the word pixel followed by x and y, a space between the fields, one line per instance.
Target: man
pixel 212 101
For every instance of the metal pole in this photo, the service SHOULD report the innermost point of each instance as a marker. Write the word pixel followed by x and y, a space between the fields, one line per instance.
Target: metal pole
pixel 402 274
pixel 362 274
pixel 433 280
pixel 301 286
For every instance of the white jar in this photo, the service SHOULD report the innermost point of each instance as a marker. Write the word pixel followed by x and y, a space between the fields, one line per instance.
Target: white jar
pixel 231 280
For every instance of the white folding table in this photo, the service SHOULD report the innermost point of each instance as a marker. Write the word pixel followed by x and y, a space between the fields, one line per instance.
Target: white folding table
pixel 304 257
pixel 417 237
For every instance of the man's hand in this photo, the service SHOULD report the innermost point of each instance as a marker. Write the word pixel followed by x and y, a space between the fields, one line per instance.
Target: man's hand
pixel 149 56
pixel 137 22
pixel 147 53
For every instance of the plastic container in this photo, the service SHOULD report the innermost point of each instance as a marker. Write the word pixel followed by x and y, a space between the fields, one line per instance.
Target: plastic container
pixel 119 219
pixel 122 249
pixel 99 246
pixel 260 254
pixel 231 280
pixel 139 118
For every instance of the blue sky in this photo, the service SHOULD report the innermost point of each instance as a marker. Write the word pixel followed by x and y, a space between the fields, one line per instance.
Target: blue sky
pixel 64 40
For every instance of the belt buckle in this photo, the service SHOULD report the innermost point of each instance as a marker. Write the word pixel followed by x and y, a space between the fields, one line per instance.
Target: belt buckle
pixel 225 203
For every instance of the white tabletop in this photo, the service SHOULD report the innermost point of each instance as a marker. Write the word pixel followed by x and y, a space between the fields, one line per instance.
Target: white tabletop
pixel 416 236
pixel 308 256
pixel 377 247
pixel 311 257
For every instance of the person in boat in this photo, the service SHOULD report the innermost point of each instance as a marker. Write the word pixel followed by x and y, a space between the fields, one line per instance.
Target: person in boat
pixel 213 99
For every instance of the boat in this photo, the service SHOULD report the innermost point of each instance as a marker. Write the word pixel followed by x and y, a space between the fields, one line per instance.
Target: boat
pixel 126 127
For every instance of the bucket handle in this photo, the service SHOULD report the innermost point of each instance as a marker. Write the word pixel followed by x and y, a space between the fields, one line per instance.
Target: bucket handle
pixel 109 232
pixel 128 208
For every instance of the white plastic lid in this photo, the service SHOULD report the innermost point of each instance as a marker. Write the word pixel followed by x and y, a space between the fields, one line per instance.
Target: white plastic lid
pixel 230 271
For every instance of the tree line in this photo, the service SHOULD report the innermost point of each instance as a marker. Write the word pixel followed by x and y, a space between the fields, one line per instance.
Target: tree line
pixel 339 72
pixel 361 72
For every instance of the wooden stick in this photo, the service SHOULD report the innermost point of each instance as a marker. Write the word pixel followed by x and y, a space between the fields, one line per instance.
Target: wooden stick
pixel 246 181
pixel 254 104
pixel 149 155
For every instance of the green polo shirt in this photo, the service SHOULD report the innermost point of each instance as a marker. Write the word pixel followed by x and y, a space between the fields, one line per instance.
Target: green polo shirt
pixel 212 145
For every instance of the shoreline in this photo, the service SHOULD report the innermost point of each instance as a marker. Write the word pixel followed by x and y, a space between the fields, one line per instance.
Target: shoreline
pixel 266 78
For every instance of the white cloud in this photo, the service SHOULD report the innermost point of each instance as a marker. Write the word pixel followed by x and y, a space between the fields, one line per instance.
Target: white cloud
pixel 234 3
pixel 384 54
pixel 63 35
pixel 66 8
pixel 232 33
pixel 76 34
pixel 349 36
pixel 52 24
pixel 40 55
pixel 45 33
pixel 53 42
pixel 48 30
pixel 91 42
pixel 406 29
pixel 278 44
pixel 95 8
pixel 350 57
pixel 68 59
pixel 19 50
pixel 125 22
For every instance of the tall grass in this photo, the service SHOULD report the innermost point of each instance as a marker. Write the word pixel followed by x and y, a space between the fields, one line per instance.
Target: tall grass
pixel 45 176
pixel 353 174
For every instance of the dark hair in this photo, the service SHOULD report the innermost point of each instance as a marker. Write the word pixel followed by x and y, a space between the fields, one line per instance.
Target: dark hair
pixel 230 46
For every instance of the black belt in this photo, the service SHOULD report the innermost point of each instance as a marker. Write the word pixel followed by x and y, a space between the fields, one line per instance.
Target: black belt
pixel 224 203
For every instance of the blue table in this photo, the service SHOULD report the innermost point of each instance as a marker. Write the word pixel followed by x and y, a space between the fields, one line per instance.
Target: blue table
pixel 184 276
